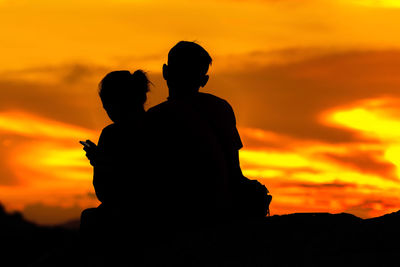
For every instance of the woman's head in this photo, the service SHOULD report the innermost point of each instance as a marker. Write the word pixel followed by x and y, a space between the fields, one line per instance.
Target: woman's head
pixel 123 93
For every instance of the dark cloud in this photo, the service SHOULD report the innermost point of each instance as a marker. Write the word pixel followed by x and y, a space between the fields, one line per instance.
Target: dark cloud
pixel 306 186
pixel 289 98
pixel 66 93
pixel 365 162
pixel 54 101
pixel 49 214
pixel 78 73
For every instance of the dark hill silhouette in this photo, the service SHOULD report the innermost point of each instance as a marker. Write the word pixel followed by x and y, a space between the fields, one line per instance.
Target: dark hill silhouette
pixel 71 224
pixel 300 239
pixel 24 243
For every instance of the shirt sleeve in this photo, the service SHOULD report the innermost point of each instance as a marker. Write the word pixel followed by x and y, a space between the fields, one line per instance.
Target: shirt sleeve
pixel 230 134
pixel 236 141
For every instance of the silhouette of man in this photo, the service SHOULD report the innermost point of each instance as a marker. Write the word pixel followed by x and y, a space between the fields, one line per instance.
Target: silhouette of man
pixel 194 141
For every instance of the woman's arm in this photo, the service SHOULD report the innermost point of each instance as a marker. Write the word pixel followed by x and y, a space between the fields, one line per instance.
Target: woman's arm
pixel 100 176
pixel 102 165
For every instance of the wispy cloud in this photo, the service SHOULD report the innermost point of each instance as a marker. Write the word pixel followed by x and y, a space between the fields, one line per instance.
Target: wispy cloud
pixel 43 161
pixel 29 125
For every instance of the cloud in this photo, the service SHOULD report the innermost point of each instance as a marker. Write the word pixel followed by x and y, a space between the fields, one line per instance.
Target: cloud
pixel 374 3
pixel 34 148
pixel 336 185
pixel 29 125
pixel 267 150
pixel 66 93
pixel 52 101
pixel 374 118
pixel 289 98
pixel 366 162
pixel 336 197
pixel 7 175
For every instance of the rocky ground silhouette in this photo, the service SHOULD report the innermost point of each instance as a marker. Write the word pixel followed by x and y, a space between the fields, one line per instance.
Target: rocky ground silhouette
pixel 302 239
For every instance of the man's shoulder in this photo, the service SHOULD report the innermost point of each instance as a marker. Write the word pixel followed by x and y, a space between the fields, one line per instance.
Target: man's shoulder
pixel 214 100
pixel 158 113
pixel 157 109
pixel 208 101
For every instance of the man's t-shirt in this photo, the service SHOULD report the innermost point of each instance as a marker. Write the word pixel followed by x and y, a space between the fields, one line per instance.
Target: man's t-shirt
pixel 222 119
pixel 191 141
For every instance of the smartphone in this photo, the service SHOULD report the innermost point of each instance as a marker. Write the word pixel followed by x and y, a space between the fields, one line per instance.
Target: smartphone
pixel 85 144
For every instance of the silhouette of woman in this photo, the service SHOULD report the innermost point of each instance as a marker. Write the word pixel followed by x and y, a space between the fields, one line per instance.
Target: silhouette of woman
pixel 123 96
pixel 117 158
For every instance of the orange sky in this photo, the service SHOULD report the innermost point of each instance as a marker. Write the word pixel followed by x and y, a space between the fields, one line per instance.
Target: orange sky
pixel 315 86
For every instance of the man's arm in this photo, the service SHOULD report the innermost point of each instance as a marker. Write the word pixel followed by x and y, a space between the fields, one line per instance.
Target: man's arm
pixel 230 139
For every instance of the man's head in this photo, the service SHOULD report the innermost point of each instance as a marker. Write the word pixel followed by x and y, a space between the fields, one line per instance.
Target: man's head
pixel 187 68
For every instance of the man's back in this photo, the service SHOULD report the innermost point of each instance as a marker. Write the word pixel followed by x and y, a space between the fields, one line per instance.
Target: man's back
pixel 189 141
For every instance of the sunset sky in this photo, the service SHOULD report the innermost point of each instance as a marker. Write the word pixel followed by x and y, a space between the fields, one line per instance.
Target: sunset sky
pixel 315 86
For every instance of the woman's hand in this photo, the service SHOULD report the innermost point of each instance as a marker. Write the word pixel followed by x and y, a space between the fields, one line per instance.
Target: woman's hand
pixel 92 152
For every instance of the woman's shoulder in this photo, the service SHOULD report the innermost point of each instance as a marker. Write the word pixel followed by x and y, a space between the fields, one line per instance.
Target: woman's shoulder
pixel 108 132
pixel 113 135
pixel 109 129
pixel 119 130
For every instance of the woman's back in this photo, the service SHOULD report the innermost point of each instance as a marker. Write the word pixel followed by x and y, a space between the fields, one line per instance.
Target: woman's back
pixel 117 179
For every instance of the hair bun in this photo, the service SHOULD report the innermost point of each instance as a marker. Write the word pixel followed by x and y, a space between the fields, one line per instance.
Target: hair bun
pixel 140 79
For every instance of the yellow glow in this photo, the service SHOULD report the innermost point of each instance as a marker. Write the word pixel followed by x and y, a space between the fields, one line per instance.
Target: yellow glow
pixel 49 163
pixel 376 3
pixel 45 159
pixel 58 157
pixel 374 118
pixel 392 154
pixel 368 122
pixel 259 173
pixel 56 152
pixel 304 165
pixel 263 158
pixel 320 170
pixel 260 134
pixel 30 125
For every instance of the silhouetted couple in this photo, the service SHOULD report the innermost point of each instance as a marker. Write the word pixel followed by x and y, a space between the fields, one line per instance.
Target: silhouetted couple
pixel 176 165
